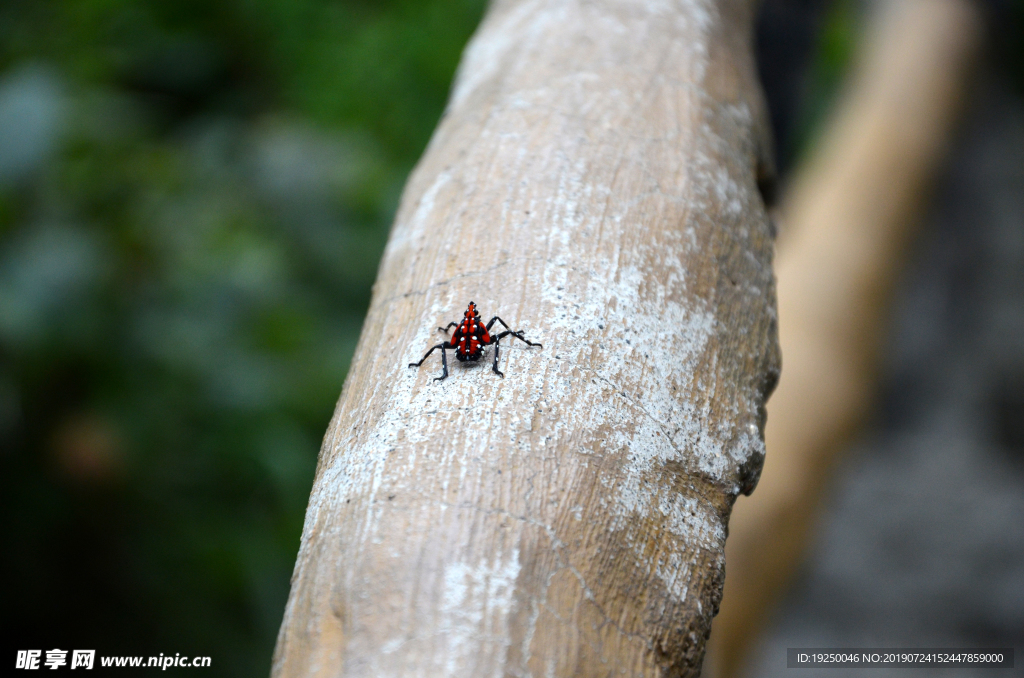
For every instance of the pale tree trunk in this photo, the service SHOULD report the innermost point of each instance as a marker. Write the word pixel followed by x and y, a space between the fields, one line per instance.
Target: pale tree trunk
pixel 595 183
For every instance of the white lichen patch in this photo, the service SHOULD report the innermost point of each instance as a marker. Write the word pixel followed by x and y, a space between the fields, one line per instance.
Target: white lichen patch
pixel 475 605
pixel 410 231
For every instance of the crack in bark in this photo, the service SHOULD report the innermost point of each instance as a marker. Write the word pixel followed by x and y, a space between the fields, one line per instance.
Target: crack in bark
pixel 458 276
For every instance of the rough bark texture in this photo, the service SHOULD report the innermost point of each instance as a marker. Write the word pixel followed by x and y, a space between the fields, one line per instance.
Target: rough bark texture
pixel 594 182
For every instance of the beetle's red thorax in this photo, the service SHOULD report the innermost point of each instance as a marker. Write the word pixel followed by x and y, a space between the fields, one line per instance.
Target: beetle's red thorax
pixel 470 336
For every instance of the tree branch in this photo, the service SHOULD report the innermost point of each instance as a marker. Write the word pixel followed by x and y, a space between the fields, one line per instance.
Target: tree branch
pixel 594 181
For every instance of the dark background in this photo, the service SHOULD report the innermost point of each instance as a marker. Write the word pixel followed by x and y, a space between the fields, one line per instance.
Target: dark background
pixel 194 197
pixel 921 538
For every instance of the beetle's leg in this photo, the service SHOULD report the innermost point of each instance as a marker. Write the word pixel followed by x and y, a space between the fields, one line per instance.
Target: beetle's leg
pixel 444 362
pixel 448 327
pixel 427 354
pixel 497 350
pixel 444 358
pixel 518 334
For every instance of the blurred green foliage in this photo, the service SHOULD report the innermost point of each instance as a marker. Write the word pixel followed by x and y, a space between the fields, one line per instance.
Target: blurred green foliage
pixel 835 49
pixel 194 197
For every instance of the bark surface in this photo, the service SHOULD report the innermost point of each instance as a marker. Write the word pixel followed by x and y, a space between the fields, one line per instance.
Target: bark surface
pixel 594 181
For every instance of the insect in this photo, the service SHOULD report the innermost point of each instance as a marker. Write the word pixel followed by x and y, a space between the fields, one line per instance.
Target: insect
pixel 469 339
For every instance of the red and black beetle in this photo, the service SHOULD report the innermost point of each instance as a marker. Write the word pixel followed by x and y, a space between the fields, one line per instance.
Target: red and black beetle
pixel 469 339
